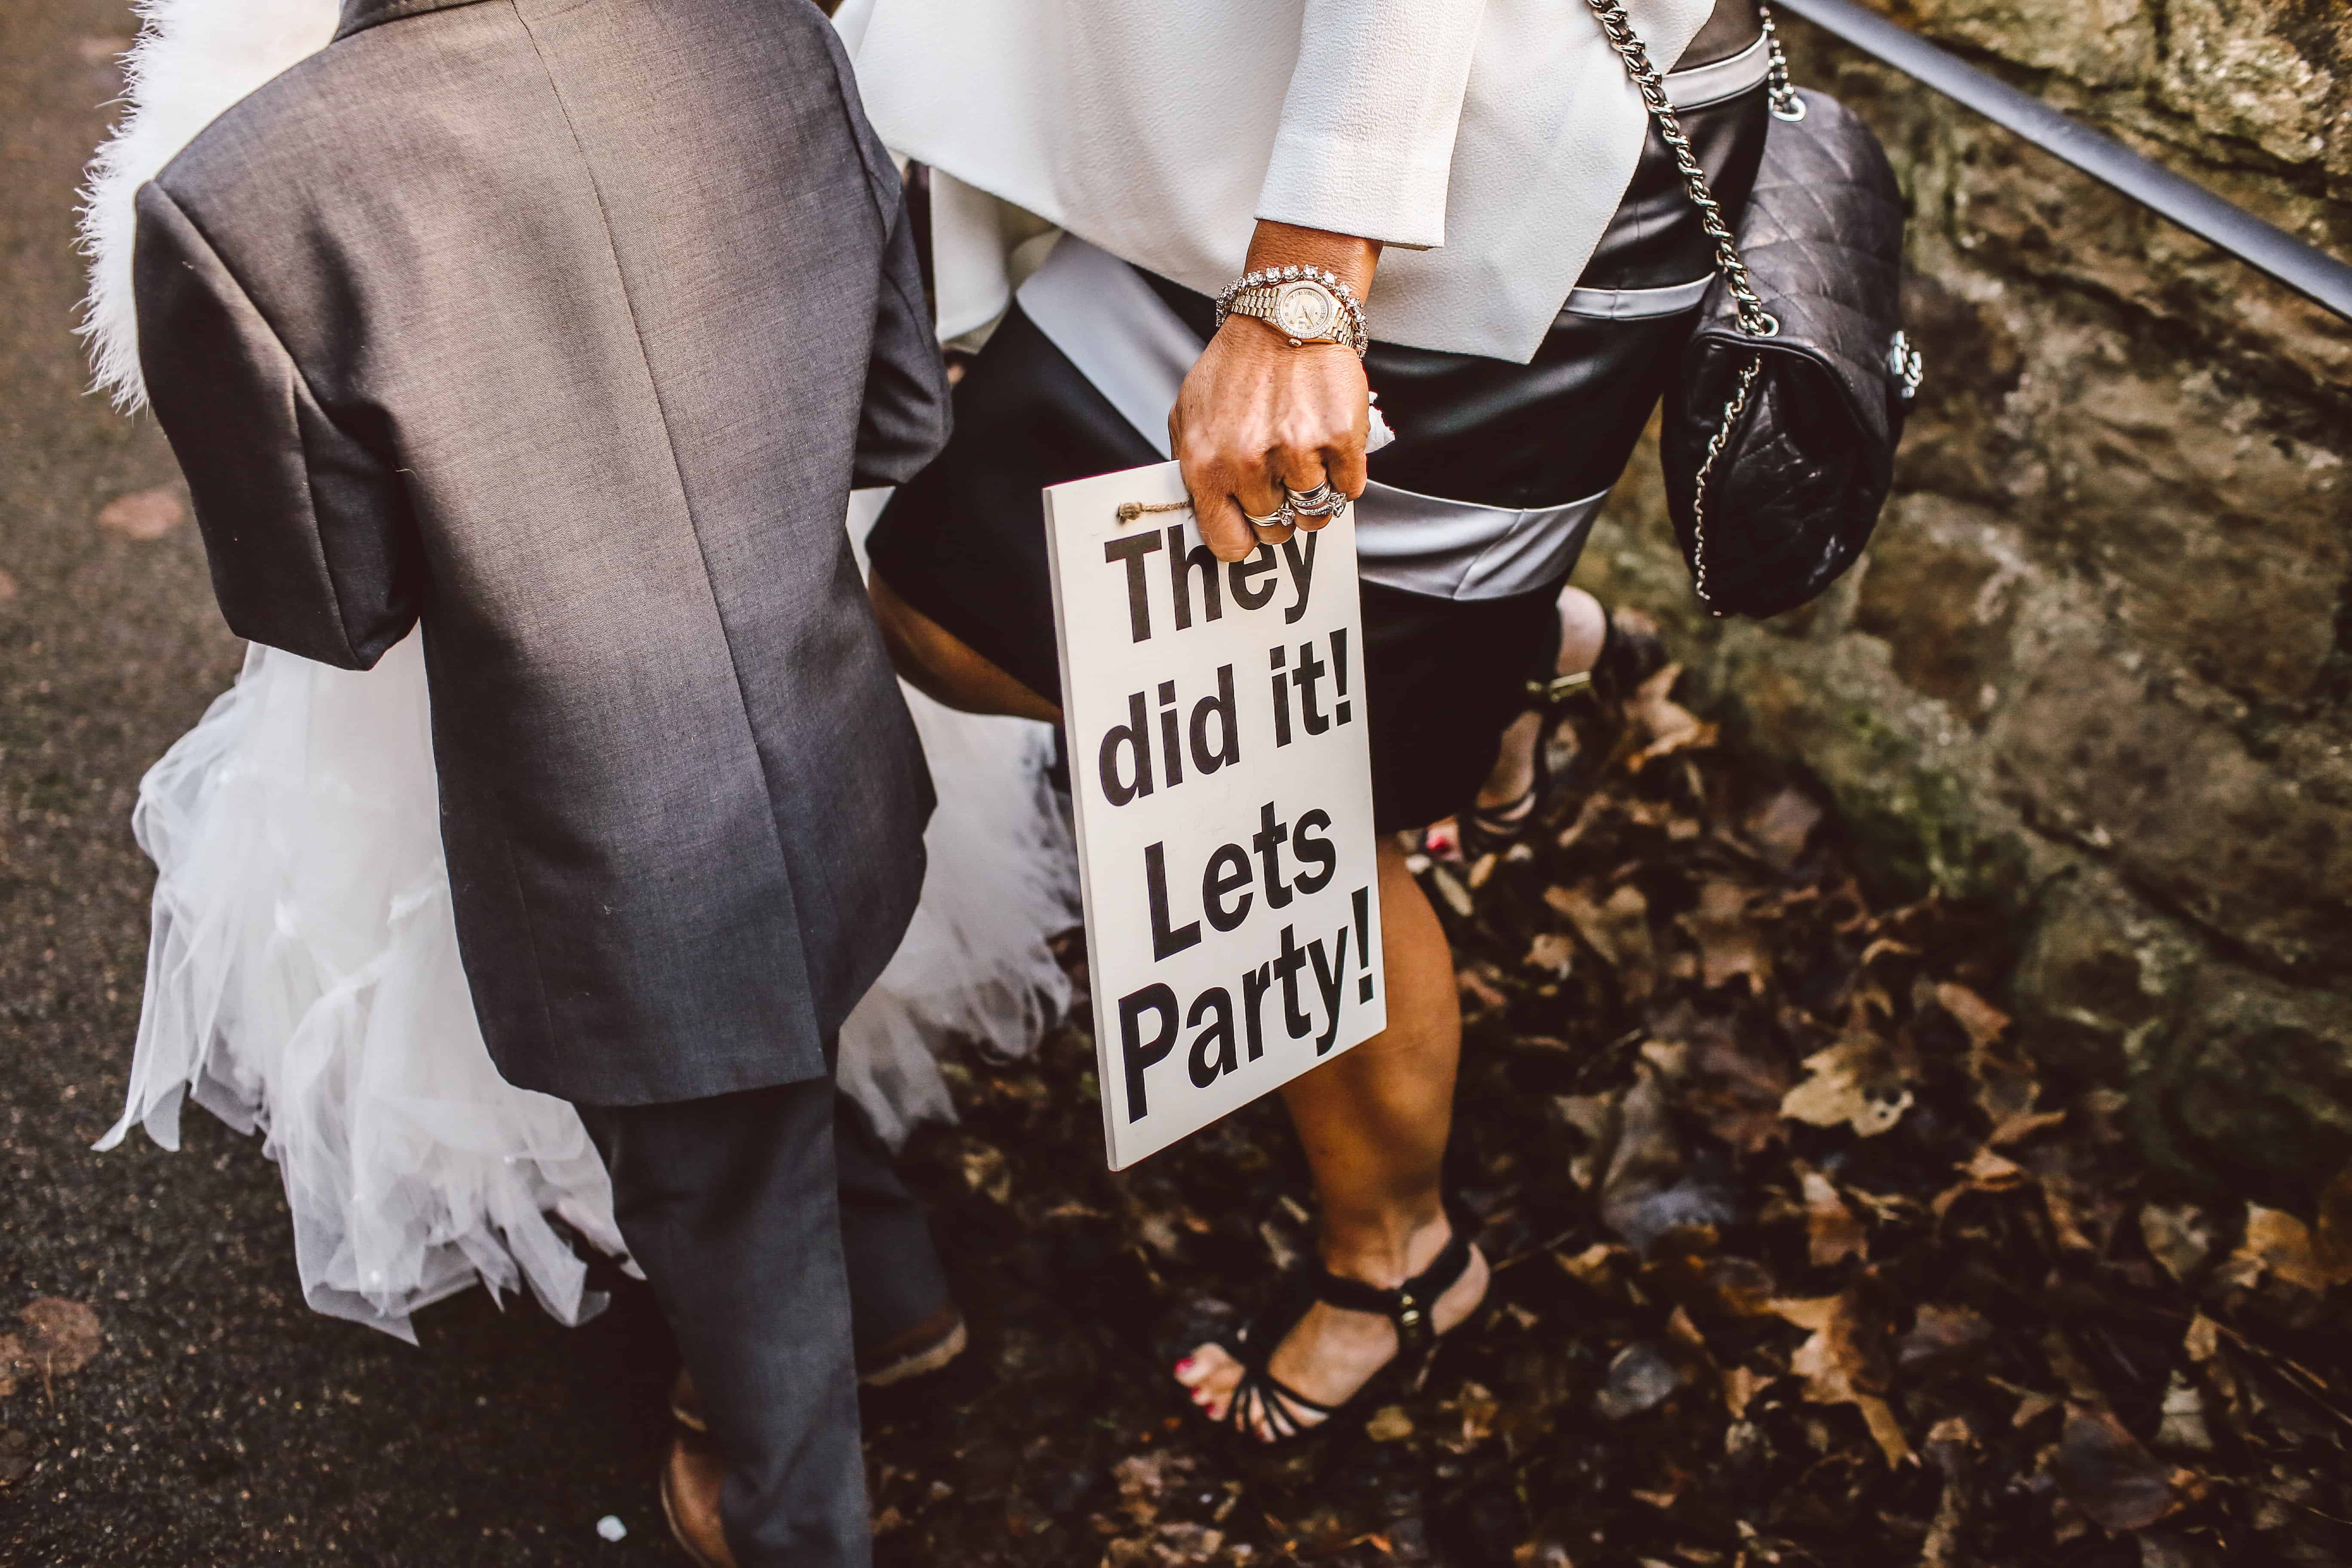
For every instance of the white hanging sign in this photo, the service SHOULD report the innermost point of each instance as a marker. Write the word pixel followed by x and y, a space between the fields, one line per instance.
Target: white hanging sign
pixel 1215 720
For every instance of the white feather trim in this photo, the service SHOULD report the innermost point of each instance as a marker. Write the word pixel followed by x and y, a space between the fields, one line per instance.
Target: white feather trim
pixel 193 60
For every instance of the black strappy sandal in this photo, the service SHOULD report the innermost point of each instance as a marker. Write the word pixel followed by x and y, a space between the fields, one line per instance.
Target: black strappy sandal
pixel 1494 829
pixel 1291 1415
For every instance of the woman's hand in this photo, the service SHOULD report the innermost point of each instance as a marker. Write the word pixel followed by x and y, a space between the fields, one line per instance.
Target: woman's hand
pixel 1256 416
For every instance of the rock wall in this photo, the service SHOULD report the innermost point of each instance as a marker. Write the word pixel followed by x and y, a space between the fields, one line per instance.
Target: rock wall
pixel 2098 666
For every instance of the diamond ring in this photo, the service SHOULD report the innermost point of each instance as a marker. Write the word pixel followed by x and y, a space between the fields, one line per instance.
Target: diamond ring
pixel 1321 501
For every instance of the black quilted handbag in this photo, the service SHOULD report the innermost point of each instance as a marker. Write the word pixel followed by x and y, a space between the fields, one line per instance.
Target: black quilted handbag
pixel 1779 432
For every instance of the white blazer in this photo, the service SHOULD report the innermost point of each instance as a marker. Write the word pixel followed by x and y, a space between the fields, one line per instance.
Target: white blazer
pixel 1486 143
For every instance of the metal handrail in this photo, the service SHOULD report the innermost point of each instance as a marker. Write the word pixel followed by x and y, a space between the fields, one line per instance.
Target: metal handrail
pixel 2308 270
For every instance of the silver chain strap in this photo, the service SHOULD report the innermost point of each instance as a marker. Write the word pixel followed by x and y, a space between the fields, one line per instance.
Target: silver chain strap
pixel 1755 321
pixel 1738 406
pixel 1786 104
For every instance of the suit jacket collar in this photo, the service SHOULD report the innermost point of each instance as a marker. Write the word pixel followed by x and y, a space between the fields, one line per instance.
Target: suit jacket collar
pixel 359 14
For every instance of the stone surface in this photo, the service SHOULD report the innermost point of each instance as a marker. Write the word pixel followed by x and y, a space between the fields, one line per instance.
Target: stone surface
pixel 2098 666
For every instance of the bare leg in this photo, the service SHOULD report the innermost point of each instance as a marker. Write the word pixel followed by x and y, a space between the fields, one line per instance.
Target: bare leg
pixel 1374 1123
pixel 1582 626
pixel 944 667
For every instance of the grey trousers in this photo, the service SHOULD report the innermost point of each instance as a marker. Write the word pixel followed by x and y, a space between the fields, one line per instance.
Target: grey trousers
pixel 775 1235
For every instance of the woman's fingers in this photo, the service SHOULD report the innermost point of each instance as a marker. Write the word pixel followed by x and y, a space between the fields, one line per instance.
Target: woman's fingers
pixel 1299 469
pixel 1223 527
pixel 1255 487
pixel 1257 420
pixel 1344 459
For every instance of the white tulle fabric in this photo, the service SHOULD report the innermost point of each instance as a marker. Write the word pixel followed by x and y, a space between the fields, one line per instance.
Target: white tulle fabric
pixel 303 979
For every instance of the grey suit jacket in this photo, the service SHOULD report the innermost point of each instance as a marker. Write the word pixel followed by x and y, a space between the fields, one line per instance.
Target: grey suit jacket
pixel 565 327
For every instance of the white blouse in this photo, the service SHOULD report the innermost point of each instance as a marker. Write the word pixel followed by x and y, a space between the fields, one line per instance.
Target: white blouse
pixel 1486 143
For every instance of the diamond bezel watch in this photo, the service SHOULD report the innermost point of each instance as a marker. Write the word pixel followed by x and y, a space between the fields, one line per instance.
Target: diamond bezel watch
pixel 1305 304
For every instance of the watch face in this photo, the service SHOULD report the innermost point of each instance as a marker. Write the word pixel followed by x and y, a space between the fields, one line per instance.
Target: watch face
pixel 1305 310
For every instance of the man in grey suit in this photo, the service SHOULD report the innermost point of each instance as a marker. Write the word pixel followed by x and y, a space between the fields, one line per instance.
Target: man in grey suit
pixel 564 327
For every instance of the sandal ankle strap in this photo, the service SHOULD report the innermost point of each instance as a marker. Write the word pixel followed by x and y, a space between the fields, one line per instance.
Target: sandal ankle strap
pixel 1411 1306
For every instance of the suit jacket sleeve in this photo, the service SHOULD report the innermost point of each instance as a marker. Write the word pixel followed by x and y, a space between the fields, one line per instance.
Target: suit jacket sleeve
pixel 1366 141
pixel 906 417
pixel 310 534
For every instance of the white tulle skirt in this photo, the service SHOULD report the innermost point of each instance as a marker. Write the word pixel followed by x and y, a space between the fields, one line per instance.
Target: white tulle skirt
pixel 303 981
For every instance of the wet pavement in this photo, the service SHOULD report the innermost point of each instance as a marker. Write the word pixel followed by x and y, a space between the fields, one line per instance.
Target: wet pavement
pixel 220 1420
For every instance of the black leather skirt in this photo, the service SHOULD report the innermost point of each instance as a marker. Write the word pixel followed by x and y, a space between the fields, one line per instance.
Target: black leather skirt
pixel 962 541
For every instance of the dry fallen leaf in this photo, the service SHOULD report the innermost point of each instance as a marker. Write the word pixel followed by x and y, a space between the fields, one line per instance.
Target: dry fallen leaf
pixel 2058 1202
pixel 1730 941
pixel 1390 1423
pixel 985 1171
pixel 1840 1366
pixel 2032 1407
pixel 2006 1087
pixel 1477 1408
pixel 1591 1115
pixel 1951 1448
pixel 1640 1378
pixel 2333 1236
pixel 1618 928
pixel 143 515
pixel 1854 1082
pixel 1739 1386
pixel 1142 1478
pixel 1657 726
pixel 2018 1129
pixel 1736 1087
pixel 2070 1369
pixel 1595 1268
pixel 1648 1188
pixel 1779 828
pixel 2282 1247
pixel 1983 1023
pixel 1475 985
pixel 2165 1549
pixel 2183 1429
pixel 1986 1172
pixel 2108 1474
pixel 1741 1287
pixel 60 1336
pixel 1552 953
pixel 1940 1334
pixel 1832 1234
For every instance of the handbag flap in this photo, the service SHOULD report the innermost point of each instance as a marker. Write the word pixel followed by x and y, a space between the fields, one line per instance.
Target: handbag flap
pixel 1823 239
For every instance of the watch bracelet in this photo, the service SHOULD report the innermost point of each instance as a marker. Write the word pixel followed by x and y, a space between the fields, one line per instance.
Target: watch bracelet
pixel 1269 280
pixel 1258 301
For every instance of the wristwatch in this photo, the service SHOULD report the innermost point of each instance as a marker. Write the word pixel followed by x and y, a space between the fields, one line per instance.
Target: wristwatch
pixel 1305 304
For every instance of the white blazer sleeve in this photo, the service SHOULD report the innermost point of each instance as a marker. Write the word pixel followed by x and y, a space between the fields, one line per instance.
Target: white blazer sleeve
pixel 1367 133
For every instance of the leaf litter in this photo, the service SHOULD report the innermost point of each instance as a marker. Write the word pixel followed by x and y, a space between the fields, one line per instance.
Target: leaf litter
pixel 1801 1258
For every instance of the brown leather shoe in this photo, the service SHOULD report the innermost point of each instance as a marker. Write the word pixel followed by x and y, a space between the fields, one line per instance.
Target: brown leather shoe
pixel 925 1348
pixel 690 1483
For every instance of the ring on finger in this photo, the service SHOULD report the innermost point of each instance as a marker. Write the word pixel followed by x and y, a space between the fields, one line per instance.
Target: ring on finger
pixel 1321 501
pixel 1280 516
